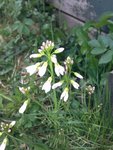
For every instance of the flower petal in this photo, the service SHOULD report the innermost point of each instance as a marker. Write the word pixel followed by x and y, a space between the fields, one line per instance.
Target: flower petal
pixel 42 69
pixel 32 69
pixel 59 50
pixel 24 90
pixel 36 55
pixel 12 124
pixel 75 84
pixel 57 84
pixel 47 85
pixel 59 69
pixel 3 145
pixel 23 107
pixel 54 59
pixel 65 95
pixel 78 75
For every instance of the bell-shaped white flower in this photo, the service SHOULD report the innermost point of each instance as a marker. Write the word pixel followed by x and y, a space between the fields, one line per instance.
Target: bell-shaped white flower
pixel 42 69
pixel 58 84
pixel 23 107
pixel 59 50
pixel 65 94
pixel 24 90
pixel 3 145
pixel 47 85
pixel 54 59
pixel 32 69
pixel 12 124
pixel 59 70
pixel 75 84
pixel 78 75
pixel 36 55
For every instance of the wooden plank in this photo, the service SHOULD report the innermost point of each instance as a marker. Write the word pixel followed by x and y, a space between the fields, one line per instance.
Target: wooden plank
pixel 70 21
pixel 110 86
pixel 84 9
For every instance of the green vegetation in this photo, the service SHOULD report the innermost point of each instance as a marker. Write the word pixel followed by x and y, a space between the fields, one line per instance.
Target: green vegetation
pixel 54 90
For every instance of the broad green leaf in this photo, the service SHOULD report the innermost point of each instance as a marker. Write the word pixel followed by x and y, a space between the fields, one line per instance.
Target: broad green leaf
pixel 94 43
pixel 20 28
pixel 46 26
pixel 107 57
pixel 104 19
pixel 25 30
pixel 28 22
pixel 16 25
pixel 97 51
pixel 104 41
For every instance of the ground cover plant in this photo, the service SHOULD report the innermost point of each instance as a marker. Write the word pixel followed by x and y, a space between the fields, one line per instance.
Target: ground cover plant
pixel 53 82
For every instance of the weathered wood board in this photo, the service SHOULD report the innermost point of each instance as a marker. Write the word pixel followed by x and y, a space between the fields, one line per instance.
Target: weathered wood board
pixel 84 9
pixel 70 21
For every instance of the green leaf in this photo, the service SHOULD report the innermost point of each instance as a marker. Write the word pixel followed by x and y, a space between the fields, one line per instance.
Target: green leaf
pixel 45 26
pixel 28 22
pixel 1 102
pixel 6 97
pixel 20 28
pixel 5 71
pixel 94 43
pixel 107 57
pixel 97 51
pixel 16 25
pixel 104 41
pixel 104 19
pixel 25 30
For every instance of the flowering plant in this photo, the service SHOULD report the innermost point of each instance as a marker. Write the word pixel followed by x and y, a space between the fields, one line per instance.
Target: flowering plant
pixel 55 71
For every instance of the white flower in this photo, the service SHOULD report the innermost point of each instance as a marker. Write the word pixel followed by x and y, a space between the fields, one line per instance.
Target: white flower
pixel 23 107
pixel 75 84
pixel 12 124
pixel 54 59
pixel 68 60
pixel 59 50
pixel 36 55
pixel 48 45
pixel 24 90
pixel 3 145
pixel 59 69
pixel 33 68
pixel 90 89
pixel 57 84
pixel 65 95
pixel 42 69
pixel 78 75
pixel 47 85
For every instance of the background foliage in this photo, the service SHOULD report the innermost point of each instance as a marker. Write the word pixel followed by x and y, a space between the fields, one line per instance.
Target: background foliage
pixel 85 122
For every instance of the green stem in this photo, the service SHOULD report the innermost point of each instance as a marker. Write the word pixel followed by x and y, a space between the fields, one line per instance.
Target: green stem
pixel 89 102
pixel 54 92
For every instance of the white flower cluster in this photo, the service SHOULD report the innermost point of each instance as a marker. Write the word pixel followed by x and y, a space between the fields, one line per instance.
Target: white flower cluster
pixel 90 89
pixel 8 127
pixel 65 93
pixel 41 67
